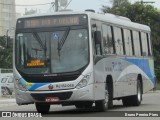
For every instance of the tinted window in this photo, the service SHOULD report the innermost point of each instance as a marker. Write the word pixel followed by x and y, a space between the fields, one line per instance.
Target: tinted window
pixel 149 44
pixel 136 43
pixel 108 43
pixel 118 41
pixel 144 44
pixel 128 43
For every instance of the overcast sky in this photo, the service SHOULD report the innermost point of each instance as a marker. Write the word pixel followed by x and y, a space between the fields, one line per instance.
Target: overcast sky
pixel 77 5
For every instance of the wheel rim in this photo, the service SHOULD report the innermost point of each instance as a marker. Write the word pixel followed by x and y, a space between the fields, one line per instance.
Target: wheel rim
pixel 139 93
pixel 106 99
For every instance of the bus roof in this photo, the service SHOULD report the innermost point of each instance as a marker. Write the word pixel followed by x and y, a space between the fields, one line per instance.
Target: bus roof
pixel 108 18
pixel 119 21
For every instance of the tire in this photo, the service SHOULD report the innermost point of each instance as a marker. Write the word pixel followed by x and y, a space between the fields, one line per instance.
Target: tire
pixel 84 105
pixel 79 106
pixel 102 105
pixel 88 104
pixel 110 96
pixel 42 108
pixel 136 99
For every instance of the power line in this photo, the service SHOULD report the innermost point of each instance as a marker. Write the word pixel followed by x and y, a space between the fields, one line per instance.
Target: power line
pixel 25 5
pixel 142 2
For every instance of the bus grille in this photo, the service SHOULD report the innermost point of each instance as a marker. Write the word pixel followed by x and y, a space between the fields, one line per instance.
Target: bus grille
pixel 42 96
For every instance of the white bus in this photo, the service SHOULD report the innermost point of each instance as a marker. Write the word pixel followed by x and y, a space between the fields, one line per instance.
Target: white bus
pixel 81 58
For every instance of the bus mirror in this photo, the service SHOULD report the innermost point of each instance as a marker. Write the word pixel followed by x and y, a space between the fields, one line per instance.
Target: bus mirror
pixel 97 37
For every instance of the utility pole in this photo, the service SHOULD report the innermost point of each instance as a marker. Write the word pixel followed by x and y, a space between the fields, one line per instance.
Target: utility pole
pixel 56 5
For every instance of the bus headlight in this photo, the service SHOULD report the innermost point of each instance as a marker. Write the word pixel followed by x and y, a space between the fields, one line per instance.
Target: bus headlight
pixel 83 82
pixel 20 86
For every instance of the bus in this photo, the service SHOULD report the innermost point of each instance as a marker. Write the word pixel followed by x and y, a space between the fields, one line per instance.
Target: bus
pixel 81 59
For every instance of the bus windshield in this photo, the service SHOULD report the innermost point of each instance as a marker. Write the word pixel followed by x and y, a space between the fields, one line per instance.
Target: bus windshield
pixel 52 51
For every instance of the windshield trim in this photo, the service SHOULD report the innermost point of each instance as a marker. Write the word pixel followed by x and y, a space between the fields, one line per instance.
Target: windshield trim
pixel 79 71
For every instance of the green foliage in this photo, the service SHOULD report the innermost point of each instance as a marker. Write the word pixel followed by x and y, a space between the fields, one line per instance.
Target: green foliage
pixel 158 86
pixel 5 54
pixel 144 14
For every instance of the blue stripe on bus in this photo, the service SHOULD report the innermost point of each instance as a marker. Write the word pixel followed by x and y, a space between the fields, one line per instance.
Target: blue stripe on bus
pixel 37 85
pixel 144 65
pixel 33 86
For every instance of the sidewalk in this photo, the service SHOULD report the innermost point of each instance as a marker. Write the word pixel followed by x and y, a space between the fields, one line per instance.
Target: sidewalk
pixel 6 101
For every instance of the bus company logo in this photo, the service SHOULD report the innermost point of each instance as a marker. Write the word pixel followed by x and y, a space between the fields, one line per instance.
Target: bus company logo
pixel 50 87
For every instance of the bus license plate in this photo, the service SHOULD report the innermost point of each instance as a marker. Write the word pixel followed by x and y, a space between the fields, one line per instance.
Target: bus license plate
pixel 52 99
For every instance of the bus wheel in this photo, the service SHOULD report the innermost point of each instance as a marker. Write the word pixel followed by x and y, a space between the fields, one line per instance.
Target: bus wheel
pixel 79 105
pixel 84 105
pixel 136 99
pixel 42 108
pixel 88 104
pixel 102 105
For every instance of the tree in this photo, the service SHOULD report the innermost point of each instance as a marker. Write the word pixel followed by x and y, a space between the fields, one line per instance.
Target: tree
pixel 118 7
pixel 5 54
pixel 117 3
pixel 144 14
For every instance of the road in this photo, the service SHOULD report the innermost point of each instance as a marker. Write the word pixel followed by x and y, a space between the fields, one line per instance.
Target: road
pixel 150 103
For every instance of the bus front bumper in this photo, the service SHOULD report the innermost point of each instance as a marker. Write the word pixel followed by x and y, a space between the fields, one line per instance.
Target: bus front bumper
pixel 56 97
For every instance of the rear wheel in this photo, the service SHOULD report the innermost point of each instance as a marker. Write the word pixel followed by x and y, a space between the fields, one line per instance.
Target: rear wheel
pixel 136 99
pixel 42 108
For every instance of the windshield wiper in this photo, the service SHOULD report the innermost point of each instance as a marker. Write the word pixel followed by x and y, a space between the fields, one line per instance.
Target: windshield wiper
pixel 62 41
pixel 43 46
pixel 39 40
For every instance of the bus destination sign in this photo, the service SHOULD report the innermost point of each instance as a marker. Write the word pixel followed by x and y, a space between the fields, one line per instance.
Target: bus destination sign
pixel 51 21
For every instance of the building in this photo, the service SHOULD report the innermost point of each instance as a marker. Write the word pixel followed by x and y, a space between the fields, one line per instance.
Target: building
pixel 7 17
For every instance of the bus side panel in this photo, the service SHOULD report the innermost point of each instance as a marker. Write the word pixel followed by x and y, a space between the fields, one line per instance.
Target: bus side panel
pixel 145 68
pixel 149 83
pixel 124 73
pixel 124 82
pixel 99 78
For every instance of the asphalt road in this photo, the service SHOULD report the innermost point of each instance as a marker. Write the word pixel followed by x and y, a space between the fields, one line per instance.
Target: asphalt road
pixel 150 104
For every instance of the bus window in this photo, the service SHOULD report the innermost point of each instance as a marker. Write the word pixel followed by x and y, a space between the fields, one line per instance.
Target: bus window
pixel 128 43
pixel 136 43
pixel 118 41
pixel 108 44
pixel 149 45
pixel 132 42
pixel 144 44
pixel 140 41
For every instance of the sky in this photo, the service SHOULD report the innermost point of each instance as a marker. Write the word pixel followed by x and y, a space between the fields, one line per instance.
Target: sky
pixel 76 5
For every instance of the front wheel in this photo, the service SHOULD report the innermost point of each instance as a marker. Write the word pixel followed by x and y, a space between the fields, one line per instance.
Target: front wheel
pixel 84 105
pixel 102 105
pixel 42 108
